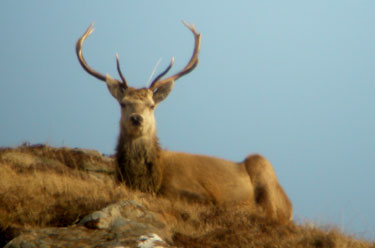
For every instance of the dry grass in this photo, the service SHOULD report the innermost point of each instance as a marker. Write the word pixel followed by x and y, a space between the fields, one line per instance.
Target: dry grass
pixel 227 228
pixel 42 186
pixel 47 198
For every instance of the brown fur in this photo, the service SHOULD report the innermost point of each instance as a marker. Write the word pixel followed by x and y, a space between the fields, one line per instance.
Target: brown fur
pixel 137 164
pixel 138 94
pixel 204 179
pixel 144 166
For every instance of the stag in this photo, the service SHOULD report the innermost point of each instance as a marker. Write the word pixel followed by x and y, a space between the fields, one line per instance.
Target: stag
pixel 143 165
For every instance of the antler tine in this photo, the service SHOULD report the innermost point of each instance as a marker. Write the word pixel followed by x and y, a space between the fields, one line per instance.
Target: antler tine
pixel 188 68
pixel 81 59
pixel 124 83
pixel 155 81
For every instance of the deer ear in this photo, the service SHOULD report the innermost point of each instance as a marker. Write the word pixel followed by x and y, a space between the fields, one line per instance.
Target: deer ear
pixel 163 91
pixel 115 88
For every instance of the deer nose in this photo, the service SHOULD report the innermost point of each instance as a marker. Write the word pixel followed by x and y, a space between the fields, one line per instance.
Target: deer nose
pixel 136 119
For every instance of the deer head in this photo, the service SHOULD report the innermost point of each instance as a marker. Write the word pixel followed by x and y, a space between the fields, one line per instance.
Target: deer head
pixel 137 105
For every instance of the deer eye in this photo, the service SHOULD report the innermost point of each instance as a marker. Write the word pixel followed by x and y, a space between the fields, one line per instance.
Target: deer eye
pixel 152 106
pixel 123 105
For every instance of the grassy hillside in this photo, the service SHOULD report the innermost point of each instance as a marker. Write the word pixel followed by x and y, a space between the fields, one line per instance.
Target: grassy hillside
pixel 41 186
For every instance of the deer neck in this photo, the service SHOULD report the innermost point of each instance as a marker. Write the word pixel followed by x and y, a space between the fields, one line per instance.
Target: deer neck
pixel 137 160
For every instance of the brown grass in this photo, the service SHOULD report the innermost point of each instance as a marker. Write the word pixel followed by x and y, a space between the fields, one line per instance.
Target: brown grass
pixel 42 186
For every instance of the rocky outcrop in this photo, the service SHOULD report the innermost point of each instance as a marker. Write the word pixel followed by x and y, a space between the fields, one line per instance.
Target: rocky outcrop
pixel 125 224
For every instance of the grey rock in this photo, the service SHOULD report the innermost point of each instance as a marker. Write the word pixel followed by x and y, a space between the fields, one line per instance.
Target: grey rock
pixel 125 224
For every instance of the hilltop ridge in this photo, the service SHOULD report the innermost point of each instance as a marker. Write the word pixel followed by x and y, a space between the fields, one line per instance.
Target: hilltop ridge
pixel 68 197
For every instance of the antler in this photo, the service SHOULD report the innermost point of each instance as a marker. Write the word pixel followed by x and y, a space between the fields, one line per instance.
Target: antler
pixel 124 83
pixel 87 68
pixel 156 83
pixel 188 68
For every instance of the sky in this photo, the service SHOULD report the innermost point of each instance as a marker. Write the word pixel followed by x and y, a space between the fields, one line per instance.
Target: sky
pixel 291 80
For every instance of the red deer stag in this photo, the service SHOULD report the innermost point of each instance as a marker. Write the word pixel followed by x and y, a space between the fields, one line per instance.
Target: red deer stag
pixel 145 166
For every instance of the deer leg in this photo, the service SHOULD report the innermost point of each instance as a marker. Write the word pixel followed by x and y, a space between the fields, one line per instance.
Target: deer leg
pixel 268 194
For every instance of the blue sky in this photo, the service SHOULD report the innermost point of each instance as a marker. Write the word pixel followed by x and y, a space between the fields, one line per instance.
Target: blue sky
pixel 292 80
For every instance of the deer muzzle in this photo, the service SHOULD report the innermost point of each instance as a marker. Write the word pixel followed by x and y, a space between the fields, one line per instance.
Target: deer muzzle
pixel 136 119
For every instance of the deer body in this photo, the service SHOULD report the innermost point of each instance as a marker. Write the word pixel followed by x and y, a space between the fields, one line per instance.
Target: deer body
pixel 144 165
pixel 196 176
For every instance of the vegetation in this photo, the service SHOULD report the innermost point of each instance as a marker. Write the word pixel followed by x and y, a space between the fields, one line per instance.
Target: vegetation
pixel 41 186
